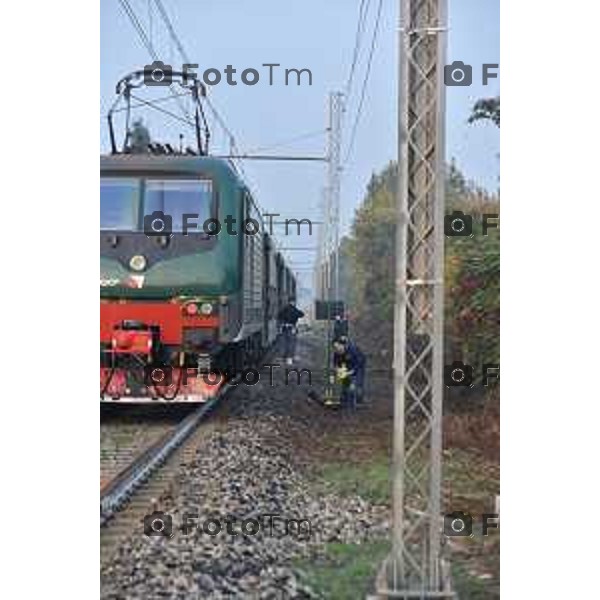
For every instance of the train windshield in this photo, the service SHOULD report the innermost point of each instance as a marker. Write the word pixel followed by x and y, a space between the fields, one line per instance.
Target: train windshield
pixel 176 198
pixel 119 199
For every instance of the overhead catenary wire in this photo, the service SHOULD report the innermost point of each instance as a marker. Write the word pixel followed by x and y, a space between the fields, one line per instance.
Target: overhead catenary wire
pixel 233 146
pixel 150 19
pixel 289 141
pixel 365 82
pixel 332 190
pixel 152 104
pixel 331 247
pixel 362 15
pixel 234 149
pixel 146 41
pixel 171 30
pixel 155 101
pixel 184 55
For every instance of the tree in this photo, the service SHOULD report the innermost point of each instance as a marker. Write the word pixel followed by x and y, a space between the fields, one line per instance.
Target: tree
pixel 472 271
pixel 486 108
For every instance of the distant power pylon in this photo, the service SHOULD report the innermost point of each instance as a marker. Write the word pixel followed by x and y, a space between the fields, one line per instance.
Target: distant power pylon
pixel 415 568
pixel 319 267
pixel 327 268
pixel 336 109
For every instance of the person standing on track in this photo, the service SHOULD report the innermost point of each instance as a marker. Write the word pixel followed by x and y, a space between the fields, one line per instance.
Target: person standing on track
pixel 288 317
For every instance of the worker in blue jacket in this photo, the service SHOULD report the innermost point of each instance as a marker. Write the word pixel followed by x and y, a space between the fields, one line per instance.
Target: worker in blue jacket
pixel 350 365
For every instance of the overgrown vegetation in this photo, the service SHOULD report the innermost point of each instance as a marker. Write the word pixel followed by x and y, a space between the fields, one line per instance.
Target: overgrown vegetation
pixel 472 277
pixel 486 109
pixel 472 271
pixel 369 481
pixel 346 571
pixel 471 436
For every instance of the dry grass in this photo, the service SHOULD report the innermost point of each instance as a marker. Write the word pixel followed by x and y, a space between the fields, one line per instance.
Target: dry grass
pixel 478 430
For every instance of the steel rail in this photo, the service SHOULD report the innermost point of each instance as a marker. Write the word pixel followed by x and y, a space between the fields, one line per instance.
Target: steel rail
pixel 120 489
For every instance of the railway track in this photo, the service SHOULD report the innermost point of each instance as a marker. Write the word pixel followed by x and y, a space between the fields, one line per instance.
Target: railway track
pixel 120 488
pixel 121 442
pixel 135 489
pixel 141 481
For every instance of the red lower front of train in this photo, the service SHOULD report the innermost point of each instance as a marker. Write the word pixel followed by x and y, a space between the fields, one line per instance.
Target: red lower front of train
pixel 146 354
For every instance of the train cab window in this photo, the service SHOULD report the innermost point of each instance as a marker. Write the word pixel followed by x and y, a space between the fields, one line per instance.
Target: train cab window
pixel 179 197
pixel 119 198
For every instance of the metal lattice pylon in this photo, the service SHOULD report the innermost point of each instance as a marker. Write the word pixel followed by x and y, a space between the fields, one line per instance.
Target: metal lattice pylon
pixel 330 240
pixel 321 253
pixel 327 266
pixel 336 108
pixel 415 569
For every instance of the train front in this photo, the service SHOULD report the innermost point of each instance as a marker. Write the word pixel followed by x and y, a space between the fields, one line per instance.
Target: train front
pixel 165 283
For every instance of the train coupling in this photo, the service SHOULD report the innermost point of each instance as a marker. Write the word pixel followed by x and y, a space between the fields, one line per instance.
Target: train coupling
pixel 133 337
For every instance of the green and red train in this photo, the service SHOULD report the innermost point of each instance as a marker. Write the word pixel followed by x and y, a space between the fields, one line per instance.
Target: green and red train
pixel 190 281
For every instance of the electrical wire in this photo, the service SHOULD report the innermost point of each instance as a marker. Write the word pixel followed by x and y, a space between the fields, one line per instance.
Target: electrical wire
pixel 365 82
pixel 362 16
pixel 218 118
pixel 288 142
pixel 149 47
pixel 156 101
pixel 151 104
pixel 216 115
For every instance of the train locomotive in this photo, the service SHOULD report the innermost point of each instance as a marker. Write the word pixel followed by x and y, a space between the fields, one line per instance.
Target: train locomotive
pixel 190 281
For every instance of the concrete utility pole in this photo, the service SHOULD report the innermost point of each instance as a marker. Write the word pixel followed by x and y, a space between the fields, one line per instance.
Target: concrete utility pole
pixel 415 568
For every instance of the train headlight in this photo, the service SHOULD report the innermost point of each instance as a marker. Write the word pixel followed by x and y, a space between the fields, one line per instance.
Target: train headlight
pixel 206 308
pixel 138 262
pixel 191 309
